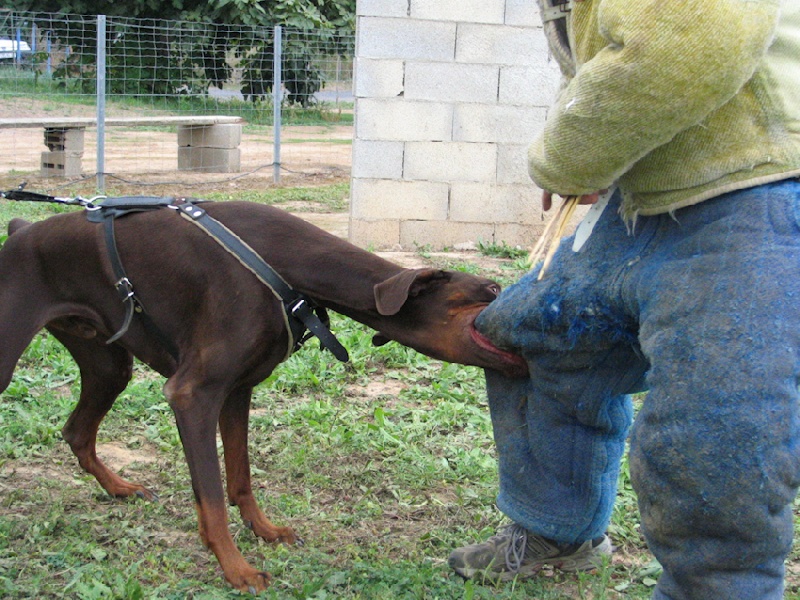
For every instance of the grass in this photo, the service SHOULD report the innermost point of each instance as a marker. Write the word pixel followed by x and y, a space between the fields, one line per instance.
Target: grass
pixel 329 198
pixel 27 83
pixel 382 465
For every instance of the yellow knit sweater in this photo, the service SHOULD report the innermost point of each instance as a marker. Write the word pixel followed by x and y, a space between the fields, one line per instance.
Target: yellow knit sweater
pixel 675 101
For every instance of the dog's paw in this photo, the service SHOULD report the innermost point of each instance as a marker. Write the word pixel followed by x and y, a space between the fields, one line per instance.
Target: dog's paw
pixel 124 489
pixel 252 581
pixel 274 534
pixel 146 494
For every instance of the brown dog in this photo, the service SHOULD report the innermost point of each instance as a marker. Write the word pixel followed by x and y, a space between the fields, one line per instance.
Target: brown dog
pixel 228 328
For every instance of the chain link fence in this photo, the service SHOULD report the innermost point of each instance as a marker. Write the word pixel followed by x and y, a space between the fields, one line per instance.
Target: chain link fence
pixel 146 96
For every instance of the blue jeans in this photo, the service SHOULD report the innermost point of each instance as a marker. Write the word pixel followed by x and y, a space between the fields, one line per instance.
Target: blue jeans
pixel 701 308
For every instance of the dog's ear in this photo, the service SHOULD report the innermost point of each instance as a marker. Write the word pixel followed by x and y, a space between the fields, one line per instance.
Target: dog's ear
pixel 390 295
pixel 16 225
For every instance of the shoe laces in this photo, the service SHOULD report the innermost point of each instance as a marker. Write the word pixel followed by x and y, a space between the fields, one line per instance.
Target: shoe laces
pixel 518 542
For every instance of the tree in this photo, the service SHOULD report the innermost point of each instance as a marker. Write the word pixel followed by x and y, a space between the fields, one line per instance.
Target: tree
pixel 302 14
pixel 213 38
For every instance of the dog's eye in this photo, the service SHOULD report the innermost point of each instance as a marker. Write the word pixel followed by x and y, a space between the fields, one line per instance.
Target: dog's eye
pixel 495 289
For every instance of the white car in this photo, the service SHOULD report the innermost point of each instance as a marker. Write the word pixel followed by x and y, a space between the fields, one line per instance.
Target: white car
pixel 8 49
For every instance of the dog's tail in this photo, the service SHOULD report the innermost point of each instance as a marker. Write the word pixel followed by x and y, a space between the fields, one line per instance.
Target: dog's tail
pixel 16 225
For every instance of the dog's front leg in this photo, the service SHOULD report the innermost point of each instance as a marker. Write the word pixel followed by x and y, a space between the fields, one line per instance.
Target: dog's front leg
pixel 196 413
pixel 233 426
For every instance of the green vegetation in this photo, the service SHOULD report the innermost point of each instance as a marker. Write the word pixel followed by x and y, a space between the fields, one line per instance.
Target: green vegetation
pixel 382 465
pixel 328 198
pixel 16 83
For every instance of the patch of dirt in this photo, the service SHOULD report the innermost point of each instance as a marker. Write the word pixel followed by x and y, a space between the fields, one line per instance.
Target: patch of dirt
pixel 376 388
pixel 118 456
pixel 149 159
pixel 14 474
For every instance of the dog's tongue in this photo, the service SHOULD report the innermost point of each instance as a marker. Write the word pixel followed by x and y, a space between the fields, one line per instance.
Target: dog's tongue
pixel 518 364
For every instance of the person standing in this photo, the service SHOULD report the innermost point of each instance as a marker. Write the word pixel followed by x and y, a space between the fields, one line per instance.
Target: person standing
pixel 688 286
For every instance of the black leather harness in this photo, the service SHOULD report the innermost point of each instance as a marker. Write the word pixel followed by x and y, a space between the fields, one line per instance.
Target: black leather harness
pixel 303 318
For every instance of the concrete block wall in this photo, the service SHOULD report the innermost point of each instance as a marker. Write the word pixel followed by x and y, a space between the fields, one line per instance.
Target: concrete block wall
pixel 449 94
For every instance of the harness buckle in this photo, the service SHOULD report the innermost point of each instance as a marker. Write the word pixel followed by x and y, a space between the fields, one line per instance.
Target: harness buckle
pixel 298 306
pixel 555 9
pixel 124 288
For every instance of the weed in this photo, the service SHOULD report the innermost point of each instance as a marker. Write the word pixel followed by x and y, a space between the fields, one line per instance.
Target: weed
pixel 501 250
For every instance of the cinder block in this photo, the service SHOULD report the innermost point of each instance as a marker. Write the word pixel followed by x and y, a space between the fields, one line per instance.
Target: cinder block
pixel 450 161
pixel 399 120
pixel 512 164
pixel 451 82
pixel 209 160
pixel 60 164
pixel 382 8
pixel 529 86
pixel 500 44
pixel 377 235
pixel 381 78
pixel 499 123
pixel 516 234
pixel 408 39
pixel 443 234
pixel 68 140
pixel 377 199
pixel 377 160
pixel 210 136
pixel 462 11
pixel 473 202
pixel 523 13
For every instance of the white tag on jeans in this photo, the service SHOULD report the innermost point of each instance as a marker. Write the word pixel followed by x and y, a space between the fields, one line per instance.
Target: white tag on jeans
pixel 590 219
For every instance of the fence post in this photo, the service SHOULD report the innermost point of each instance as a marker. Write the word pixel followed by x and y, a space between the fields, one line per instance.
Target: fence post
pixel 49 57
pixel 277 99
pixel 18 53
pixel 101 104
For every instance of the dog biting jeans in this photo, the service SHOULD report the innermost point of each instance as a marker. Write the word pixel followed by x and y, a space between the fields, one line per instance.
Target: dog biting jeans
pixel 701 307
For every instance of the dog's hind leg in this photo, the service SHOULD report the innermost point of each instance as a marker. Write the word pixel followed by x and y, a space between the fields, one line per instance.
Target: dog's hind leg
pixel 105 372
pixel 197 410
pixel 233 426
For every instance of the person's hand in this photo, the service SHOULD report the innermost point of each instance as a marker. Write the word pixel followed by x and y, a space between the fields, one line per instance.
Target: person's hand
pixel 547 199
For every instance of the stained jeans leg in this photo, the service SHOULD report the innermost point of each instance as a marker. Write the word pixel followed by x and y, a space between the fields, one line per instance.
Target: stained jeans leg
pixel 560 433
pixel 715 450
pixel 560 436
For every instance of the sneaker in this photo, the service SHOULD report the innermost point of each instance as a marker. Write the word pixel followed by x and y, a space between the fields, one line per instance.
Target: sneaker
pixel 515 552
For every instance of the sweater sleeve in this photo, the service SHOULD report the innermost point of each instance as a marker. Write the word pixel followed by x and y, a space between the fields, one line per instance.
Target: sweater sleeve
pixel 663 67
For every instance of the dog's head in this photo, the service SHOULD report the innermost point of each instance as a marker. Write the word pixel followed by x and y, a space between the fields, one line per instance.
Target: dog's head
pixel 434 311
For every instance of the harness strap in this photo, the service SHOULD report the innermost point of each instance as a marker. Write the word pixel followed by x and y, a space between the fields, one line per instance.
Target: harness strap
pixel 20 195
pixel 128 296
pixel 299 313
pixel 295 304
